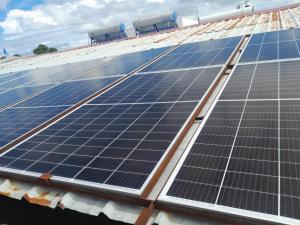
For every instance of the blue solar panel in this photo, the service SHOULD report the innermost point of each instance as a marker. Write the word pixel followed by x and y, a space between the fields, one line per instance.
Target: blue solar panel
pixel 244 158
pixel 51 75
pixel 68 93
pixel 215 52
pixel 24 79
pixel 113 144
pixel 11 76
pixel 124 64
pixel 15 122
pixel 186 86
pixel 272 46
pixel 18 94
pixel 119 138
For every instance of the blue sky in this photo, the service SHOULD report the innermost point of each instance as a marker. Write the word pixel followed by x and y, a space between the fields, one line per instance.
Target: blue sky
pixel 65 23
pixel 15 4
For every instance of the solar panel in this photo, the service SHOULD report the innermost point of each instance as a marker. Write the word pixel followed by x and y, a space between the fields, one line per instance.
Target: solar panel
pixel 10 76
pixel 283 44
pixel 20 81
pixel 15 122
pixel 263 79
pixel 18 94
pixel 243 160
pixel 61 96
pixel 68 93
pixel 125 63
pixel 199 54
pixel 116 142
pixel 131 90
pixel 50 75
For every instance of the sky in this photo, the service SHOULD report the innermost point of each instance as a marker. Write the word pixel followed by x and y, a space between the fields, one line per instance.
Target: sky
pixel 65 23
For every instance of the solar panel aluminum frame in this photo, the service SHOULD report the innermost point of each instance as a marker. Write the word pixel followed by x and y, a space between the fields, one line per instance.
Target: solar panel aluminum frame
pixel 209 207
pixel 269 61
pixel 110 188
pixel 182 69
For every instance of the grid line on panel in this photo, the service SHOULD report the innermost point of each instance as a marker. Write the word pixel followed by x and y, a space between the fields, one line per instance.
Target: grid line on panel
pixel 235 137
pixel 142 103
pixel 279 176
pixel 296 41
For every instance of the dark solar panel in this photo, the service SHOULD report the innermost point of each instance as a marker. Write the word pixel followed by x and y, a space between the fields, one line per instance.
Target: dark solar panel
pixel 112 144
pixel 120 137
pixel 244 158
pixel 272 46
pixel 186 86
pixel 50 75
pixel 11 76
pixel 289 158
pixel 15 122
pixel 68 93
pixel 125 63
pixel 263 79
pixel 15 95
pixel 204 167
pixel 289 79
pixel 199 54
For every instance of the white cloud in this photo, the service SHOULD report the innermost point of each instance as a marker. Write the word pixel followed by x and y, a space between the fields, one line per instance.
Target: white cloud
pixel 60 22
pixel 19 21
pixel 155 1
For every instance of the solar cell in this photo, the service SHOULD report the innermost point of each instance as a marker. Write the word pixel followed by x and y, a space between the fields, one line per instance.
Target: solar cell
pixel 50 75
pixel 263 79
pixel 289 79
pixel 131 90
pixel 199 54
pixel 125 63
pixel 10 76
pixel 117 140
pixel 243 159
pixel 17 121
pixel 18 94
pixel 289 158
pixel 68 93
pixel 273 45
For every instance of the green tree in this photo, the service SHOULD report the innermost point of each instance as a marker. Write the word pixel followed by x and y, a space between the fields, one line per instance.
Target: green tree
pixel 52 50
pixel 41 49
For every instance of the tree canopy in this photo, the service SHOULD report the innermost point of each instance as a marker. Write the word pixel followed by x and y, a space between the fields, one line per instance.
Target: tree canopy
pixel 42 49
